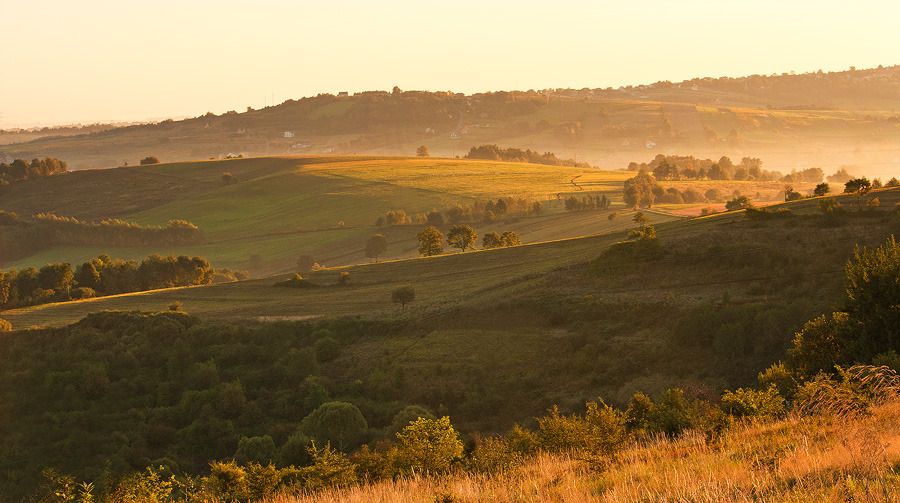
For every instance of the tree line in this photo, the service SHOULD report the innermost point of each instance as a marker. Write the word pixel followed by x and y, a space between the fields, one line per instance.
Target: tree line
pixel 104 276
pixel 496 153
pixel 675 167
pixel 21 169
pixel 479 211
pixel 21 237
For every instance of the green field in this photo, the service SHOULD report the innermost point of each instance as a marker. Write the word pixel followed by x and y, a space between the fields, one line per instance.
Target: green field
pixel 285 207
pixel 442 283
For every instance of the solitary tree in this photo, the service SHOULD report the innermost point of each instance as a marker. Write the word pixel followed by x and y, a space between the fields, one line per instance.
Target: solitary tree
pixel 149 160
pixel 376 246
pixel 462 236
pixel 428 445
pixel 431 242
pixel 403 295
pixel 821 189
pixel 739 203
pixel 422 151
pixel 857 186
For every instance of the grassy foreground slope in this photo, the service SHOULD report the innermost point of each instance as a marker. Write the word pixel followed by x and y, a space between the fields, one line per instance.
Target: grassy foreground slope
pixel 813 459
pixel 285 207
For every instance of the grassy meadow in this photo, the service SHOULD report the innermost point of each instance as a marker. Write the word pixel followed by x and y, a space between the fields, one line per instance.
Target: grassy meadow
pixel 282 208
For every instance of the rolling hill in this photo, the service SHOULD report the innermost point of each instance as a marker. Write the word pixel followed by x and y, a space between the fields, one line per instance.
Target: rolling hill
pixel 284 207
pixel 790 121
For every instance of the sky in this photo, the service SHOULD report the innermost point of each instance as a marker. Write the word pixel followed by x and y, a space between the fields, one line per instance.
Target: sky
pixel 64 62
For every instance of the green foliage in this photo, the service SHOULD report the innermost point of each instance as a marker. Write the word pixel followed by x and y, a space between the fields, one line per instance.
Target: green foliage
pixel 747 402
pixel 599 433
pixel 259 449
pixel 820 344
pixel 295 451
pixel 327 348
pixel 407 415
pixel 821 189
pixel 149 486
pixel 329 468
pixel 227 481
pixel 780 376
pixel 495 153
pixel 857 186
pixel 873 298
pixel 462 236
pixel 338 423
pixel 428 446
pixel 490 240
pixel 431 242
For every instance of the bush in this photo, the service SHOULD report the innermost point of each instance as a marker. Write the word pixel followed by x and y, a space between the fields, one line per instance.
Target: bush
pixel 599 433
pixel 295 451
pixel 330 468
pixel 149 160
pixel 746 402
pixel 5 325
pixel 428 446
pixel 339 423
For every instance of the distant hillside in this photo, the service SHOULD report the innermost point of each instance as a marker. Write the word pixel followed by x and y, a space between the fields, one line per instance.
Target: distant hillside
pixel 792 121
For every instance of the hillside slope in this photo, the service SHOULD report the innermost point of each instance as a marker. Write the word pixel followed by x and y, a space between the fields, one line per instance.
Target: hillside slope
pixel 791 121
pixel 283 207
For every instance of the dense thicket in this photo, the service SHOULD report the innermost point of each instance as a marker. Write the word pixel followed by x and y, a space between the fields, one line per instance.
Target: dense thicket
pixel 101 276
pixel 21 237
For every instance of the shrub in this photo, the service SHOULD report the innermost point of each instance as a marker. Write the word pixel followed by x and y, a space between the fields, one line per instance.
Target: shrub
pixel 339 423
pixel 600 432
pixel 746 402
pixel 738 203
pixel 5 325
pixel 820 344
pixel 330 468
pixel 149 160
pixel 428 446
pixel 821 189
pixel 510 238
pixel 226 481
pixel 403 295
pixel 149 486
pixel 295 451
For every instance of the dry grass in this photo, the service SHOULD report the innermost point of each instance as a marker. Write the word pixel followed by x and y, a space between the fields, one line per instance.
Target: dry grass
pixel 799 459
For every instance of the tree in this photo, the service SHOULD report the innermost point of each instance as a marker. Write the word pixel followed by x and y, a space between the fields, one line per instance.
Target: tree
pixel 645 231
pixel 407 415
pixel 339 423
pixel 821 189
pixel 431 241
pixel 428 446
pixel 376 246
pixel 149 160
pixel 820 344
pixel 638 191
pixel 57 277
pixel 857 186
pixel 510 238
pixel 893 182
pixel 462 236
pixel 491 240
pixel 422 151
pixel 738 203
pixel 403 295
pixel 5 325
pixel 256 450
pixel 873 297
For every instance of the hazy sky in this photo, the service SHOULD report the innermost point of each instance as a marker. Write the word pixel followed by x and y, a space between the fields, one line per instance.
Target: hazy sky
pixel 70 61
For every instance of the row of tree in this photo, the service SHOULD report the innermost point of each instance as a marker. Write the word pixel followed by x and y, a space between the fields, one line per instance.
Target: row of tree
pixel 480 211
pixel 674 167
pixel 496 153
pixel 21 237
pixel 101 276
pixel 21 169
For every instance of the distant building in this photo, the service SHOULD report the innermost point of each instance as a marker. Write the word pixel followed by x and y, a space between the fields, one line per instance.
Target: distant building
pixel 288 134
pixel 651 144
pixel 343 94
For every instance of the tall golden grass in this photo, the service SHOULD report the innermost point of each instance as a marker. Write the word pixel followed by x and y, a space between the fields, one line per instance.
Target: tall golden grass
pixel 819 458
